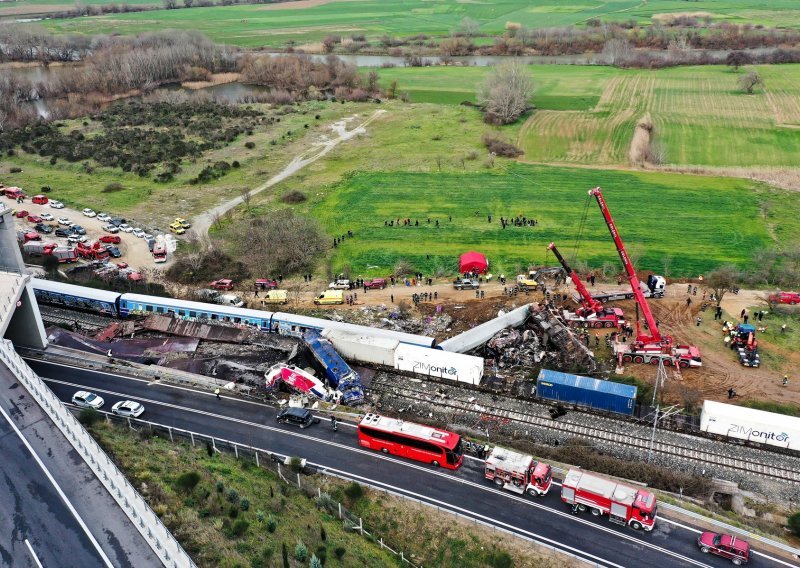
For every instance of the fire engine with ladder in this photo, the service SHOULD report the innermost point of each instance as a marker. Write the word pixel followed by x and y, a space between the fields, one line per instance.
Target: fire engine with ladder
pixel 592 313
pixel 649 347
pixel 600 496
pixel 519 473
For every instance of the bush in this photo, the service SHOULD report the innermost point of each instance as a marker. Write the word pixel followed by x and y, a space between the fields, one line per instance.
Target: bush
pixel 339 552
pixel 293 196
pixel 285 554
pixel 112 187
pixel 322 554
pixel 272 524
pixel 210 452
pixel 89 416
pixel 233 495
pixel 15 170
pixel 315 562
pixel 220 486
pixel 245 504
pixel 322 534
pixel 794 523
pixel 250 145
pixel 233 511
pixel 500 147
pixel 186 482
pixel 500 559
pixel 301 551
pixel 238 528
pixel 354 492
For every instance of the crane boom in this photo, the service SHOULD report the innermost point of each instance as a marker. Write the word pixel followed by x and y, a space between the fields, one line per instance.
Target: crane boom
pixel 633 279
pixel 588 303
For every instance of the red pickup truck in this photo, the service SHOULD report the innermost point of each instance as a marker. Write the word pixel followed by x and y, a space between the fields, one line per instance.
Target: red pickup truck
pixel 375 284
pixel 785 298
pixel 222 284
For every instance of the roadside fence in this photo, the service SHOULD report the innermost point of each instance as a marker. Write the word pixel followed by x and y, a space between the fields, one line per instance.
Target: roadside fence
pixel 161 540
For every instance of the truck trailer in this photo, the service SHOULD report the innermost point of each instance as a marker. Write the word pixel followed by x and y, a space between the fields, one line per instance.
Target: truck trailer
pixel 624 505
pixel 519 473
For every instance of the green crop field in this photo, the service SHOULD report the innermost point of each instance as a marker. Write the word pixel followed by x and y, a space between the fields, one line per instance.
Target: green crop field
pixel 696 222
pixel 257 25
pixel 587 114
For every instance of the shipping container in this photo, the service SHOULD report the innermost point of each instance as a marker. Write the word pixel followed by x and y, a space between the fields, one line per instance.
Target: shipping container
pixel 586 391
pixel 363 348
pixel 750 424
pixel 437 363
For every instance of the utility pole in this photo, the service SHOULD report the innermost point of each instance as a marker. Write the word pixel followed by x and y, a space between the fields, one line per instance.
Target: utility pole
pixel 661 377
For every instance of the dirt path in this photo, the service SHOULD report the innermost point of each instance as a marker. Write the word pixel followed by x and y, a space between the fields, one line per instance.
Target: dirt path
pixel 203 222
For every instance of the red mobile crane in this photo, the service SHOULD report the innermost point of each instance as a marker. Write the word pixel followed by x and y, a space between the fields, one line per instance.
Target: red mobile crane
pixel 591 312
pixel 645 348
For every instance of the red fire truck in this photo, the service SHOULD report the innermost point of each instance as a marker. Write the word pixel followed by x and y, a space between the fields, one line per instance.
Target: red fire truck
pixel 409 440
pixel 624 505
pixel 519 473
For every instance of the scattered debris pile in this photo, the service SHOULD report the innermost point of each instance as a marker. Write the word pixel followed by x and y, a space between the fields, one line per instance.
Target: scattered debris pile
pixel 543 339
pixel 199 329
pixel 394 318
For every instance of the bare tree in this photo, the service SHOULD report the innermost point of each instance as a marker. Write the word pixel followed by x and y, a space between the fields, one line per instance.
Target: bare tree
pixel 247 197
pixel 505 93
pixel 722 280
pixel 468 27
pixel 617 51
pixel 749 81
pixel 736 59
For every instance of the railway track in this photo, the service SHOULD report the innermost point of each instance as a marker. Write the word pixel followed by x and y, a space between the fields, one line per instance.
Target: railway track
pixel 55 315
pixel 675 450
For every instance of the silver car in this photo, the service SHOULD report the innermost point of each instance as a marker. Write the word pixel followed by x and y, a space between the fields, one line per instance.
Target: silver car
pixel 128 408
pixel 86 399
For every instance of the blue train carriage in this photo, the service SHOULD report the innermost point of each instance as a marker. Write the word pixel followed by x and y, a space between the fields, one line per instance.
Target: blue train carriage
pixel 587 392
pixel 139 304
pixel 75 297
pixel 340 375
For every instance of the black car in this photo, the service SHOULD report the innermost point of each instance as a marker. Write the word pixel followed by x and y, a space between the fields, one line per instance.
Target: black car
pixel 113 251
pixel 297 416
pixel 116 221
pixel 78 230
pixel 42 228
pixel 151 243
pixel 63 232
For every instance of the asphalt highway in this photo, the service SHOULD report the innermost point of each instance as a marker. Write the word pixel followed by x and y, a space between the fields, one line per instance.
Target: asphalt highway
pixel 545 519
pixel 40 529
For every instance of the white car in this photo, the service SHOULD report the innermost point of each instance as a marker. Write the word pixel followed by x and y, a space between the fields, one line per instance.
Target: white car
pixel 74 239
pixel 64 221
pixel 128 408
pixel 125 228
pixel 147 236
pixel 113 229
pixel 56 204
pixel 46 217
pixel 137 232
pixel 89 212
pixel 103 217
pixel 86 399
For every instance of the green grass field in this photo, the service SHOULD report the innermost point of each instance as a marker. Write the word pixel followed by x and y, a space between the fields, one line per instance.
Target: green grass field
pixel 260 25
pixel 587 114
pixel 698 222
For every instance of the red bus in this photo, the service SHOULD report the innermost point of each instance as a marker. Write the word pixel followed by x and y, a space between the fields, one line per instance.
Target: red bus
pixel 409 440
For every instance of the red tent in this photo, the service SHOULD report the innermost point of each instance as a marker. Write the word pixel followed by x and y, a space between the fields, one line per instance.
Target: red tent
pixel 473 261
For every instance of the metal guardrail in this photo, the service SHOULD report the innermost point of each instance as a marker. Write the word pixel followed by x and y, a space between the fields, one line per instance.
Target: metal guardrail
pixel 665 506
pixel 161 540
pixel 266 460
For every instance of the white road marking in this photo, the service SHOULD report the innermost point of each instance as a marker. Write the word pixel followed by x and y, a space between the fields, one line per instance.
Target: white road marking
pixel 379 455
pixel 58 489
pixel 370 453
pixel 35 558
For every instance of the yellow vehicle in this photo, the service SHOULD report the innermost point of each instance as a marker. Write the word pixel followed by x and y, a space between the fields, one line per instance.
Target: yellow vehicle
pixel 177 229
pixel 182 222
pixel 330 297
pixel 275 297
pixel 526 282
